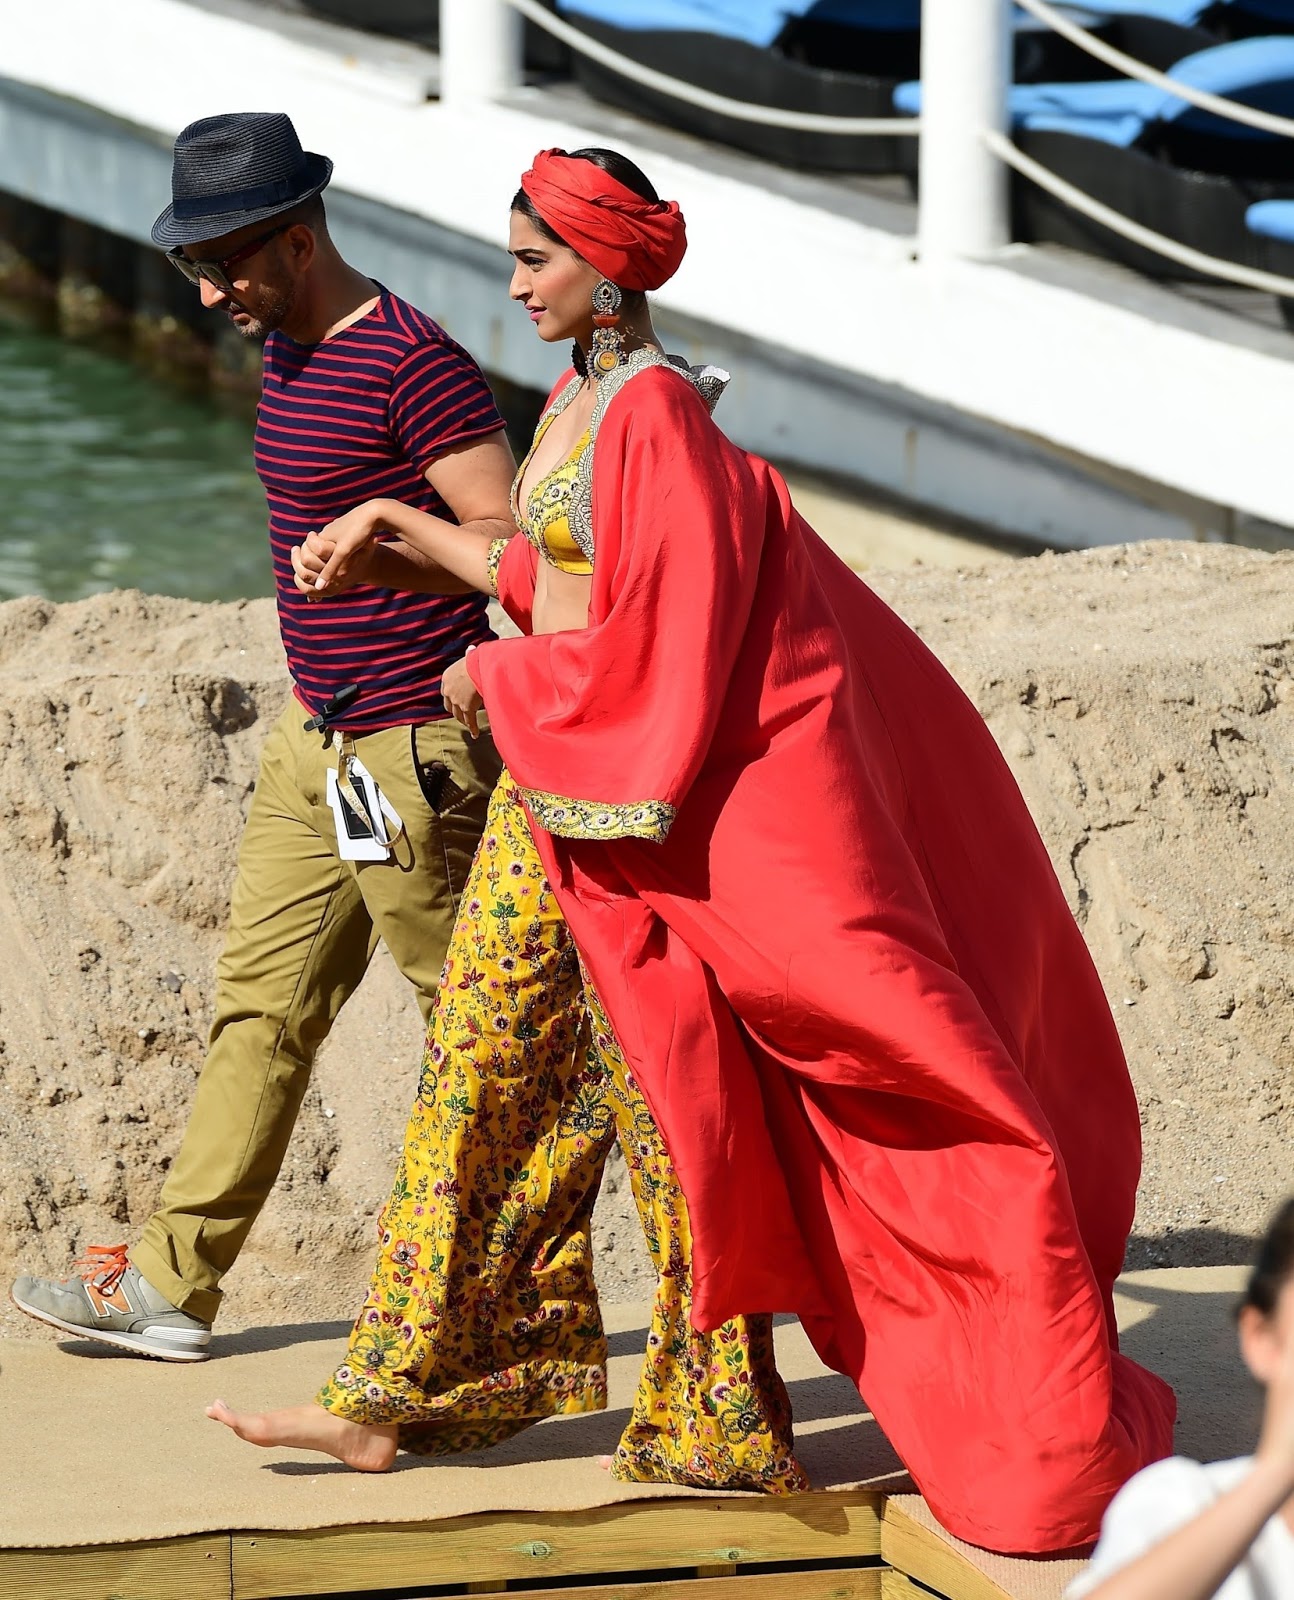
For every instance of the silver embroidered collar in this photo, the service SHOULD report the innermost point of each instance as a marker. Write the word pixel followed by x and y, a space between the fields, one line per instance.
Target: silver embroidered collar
pixel 709 382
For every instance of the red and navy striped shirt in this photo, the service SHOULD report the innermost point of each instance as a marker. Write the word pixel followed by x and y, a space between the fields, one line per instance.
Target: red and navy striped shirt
pixel 361 417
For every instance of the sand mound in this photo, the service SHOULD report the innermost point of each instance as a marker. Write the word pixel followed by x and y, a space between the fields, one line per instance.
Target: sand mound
pixel 1141 696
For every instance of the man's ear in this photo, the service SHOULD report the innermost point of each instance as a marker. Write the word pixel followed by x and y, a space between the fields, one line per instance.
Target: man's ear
pixel 1259 1345
pixel 300 240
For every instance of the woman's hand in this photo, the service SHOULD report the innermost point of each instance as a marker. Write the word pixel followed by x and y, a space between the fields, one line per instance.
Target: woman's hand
pixel 462 698
pixel 345 548
pixel 308 561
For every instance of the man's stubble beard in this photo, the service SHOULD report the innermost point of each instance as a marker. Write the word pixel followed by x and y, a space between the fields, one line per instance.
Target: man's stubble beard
pixel 277 301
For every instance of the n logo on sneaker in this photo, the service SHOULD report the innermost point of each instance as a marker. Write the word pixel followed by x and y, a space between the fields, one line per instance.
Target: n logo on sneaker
pixel 105 1305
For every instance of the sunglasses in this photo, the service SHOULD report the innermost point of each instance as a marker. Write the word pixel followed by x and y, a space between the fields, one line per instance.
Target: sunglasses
pixel 217 272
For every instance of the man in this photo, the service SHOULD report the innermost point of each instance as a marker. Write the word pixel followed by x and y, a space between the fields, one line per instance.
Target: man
pixel 362 396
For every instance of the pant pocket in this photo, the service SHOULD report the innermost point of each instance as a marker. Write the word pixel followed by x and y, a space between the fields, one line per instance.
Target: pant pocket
pixel 431 770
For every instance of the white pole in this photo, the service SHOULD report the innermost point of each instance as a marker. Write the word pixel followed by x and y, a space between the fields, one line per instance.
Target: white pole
pixel 965 75
pixel 480 50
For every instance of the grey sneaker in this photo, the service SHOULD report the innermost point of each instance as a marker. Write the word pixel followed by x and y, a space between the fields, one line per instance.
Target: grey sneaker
pixel 110 1302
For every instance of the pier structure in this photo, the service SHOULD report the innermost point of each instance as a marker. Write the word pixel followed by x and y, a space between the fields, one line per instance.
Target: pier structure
pixel 1028 390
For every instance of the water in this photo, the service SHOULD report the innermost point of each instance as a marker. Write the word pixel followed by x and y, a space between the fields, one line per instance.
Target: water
pixel 111 479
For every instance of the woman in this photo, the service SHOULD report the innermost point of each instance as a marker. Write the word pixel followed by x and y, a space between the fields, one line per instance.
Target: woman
pixel 819 932
pixel 1183 1531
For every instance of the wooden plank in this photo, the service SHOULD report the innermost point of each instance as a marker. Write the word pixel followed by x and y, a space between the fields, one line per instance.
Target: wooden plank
pixel 863 1584
pixel 163 1569
pixel 638 1536
pixel 922 1554
pixel 898 1586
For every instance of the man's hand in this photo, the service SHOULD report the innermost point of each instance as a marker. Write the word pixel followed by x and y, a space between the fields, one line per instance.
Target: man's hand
pixel 462 698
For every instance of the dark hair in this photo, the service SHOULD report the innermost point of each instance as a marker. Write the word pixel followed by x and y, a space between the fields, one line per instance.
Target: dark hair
pixel 310 211
pixel 623 171
pixel 1275 1264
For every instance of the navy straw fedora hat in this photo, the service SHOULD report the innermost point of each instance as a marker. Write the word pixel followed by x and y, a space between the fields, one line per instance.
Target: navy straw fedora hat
pixel 234 169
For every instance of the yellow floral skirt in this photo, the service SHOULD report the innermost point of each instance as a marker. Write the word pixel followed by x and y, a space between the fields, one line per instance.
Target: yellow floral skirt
pixel 482 1316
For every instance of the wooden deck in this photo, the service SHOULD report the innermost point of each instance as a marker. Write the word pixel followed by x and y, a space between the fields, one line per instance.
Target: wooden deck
pixel 114 1486
pixel 838 1546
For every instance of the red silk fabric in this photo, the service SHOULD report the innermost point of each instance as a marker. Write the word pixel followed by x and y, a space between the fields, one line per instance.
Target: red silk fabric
pixel 636 243
pixel 848 982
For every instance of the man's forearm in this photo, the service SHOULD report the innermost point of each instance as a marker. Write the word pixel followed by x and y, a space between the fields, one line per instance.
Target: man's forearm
pixel 451 559
pixel 396 565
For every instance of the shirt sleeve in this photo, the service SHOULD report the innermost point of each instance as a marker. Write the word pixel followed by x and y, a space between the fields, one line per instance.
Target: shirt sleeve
pixel 439 398
pixel 1158 1501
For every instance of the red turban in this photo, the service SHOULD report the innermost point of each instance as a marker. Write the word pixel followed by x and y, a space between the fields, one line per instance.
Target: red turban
pixel 636 243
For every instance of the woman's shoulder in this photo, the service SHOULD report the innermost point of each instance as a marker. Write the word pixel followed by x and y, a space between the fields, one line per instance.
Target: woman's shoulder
pixel 665 391
pixel 1154 1503
pixel 1176 1487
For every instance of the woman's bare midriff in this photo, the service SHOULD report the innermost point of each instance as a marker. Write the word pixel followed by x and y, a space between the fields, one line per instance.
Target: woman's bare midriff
pixel 561 600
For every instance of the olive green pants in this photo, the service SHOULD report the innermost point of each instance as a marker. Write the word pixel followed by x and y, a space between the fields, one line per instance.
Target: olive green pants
pixel 303 927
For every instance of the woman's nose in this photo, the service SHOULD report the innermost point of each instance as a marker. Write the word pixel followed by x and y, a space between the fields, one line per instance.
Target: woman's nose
pixel 519 288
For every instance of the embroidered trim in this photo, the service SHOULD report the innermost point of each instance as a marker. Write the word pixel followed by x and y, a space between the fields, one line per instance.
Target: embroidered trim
pixel 592 819
pixel 709 382
pixel 492 558
pixel 554 411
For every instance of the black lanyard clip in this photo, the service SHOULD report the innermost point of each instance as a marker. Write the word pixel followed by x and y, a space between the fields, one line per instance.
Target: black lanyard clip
pixel 344 698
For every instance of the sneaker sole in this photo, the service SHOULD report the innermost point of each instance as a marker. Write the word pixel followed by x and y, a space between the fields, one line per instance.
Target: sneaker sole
pixel 136 1343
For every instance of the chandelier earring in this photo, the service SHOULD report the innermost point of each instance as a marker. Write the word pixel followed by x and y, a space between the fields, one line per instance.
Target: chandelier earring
pixel 608 350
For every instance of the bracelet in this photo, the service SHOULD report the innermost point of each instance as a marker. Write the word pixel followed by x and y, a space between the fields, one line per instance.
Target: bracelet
pixel 492 559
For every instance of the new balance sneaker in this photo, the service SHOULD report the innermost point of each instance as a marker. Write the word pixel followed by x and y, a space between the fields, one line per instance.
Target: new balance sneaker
pixel 112 1303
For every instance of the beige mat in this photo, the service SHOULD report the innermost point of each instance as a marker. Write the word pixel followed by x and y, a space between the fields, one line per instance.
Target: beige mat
pixel 97 1448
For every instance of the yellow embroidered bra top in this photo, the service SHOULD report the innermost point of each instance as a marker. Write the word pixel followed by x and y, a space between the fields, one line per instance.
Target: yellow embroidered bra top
pixel 546 517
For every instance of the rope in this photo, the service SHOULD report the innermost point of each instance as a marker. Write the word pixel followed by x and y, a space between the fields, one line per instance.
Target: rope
pixel 649 78
pixel 1231 271
pixel 1129 65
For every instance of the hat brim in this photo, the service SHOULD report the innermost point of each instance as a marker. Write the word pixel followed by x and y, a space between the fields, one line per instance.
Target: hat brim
pixel 169 230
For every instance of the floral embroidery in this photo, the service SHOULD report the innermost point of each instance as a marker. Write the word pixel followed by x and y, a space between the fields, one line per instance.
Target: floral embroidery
pixel 482 1315
pixel 595 819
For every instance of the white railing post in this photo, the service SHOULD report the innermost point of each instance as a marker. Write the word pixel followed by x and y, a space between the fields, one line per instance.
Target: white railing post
pixel 965 76
pixel 480 50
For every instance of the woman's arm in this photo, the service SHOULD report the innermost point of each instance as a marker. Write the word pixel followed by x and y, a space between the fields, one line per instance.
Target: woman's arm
pixel 432 555
pixel 1194 1562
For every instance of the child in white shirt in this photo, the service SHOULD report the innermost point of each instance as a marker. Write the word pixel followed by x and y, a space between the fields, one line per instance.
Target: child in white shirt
pixel 1182 1531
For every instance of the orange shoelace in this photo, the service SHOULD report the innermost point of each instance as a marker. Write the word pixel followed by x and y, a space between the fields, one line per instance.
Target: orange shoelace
pixel 104 1265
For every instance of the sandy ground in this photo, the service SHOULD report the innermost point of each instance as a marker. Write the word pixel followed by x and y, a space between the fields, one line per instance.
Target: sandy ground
pixel 1143 698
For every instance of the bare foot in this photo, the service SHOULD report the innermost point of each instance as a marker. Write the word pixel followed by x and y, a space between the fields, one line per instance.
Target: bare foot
pixel 367 1449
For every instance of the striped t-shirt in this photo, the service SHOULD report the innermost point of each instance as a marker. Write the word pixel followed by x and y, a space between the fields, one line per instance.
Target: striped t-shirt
pixel 361 417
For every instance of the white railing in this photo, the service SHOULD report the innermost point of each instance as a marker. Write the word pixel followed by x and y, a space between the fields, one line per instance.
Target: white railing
pixel 1135 232
pixel 1251 116
pixel 965 148
pixel 703 99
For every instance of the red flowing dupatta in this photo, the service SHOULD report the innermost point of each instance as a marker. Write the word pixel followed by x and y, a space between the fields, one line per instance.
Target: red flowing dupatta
pixel 840 965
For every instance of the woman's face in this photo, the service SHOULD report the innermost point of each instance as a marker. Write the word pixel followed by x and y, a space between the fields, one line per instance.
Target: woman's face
pixel 1266 1342
pixel 552 282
